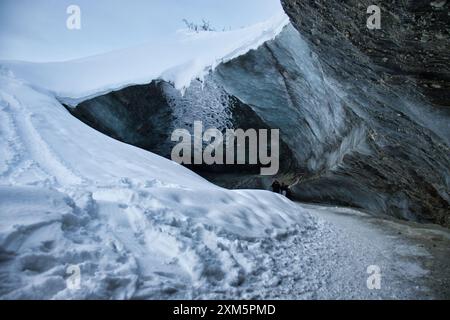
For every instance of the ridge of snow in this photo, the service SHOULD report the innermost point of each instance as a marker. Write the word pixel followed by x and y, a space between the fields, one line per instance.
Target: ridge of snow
pixel 179 60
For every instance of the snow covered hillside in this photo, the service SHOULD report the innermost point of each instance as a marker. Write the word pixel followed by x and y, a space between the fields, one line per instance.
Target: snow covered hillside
pixel 71 195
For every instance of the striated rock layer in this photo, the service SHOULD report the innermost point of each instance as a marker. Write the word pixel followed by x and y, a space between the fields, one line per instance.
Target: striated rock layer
pixel 395 84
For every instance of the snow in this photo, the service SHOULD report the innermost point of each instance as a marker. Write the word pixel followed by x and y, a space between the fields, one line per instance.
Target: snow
pixel 177 59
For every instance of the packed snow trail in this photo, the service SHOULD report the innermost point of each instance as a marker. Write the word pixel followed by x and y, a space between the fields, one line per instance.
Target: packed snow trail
pixel 413 258
pixel 140 226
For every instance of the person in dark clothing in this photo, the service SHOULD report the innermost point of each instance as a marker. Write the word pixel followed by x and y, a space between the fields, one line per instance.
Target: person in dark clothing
pixel 286 191
pixel 276 186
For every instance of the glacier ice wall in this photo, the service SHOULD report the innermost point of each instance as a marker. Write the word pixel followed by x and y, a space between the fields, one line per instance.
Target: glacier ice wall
pixel 362 142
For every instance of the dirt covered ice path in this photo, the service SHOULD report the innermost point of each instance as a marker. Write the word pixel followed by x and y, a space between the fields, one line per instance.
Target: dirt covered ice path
pixel 413 258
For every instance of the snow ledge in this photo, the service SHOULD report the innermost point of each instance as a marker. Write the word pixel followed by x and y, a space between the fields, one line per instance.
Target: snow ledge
pixel 178 60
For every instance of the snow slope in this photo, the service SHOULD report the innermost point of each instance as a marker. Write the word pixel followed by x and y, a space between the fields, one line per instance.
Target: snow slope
pixel 132 220
pixel 178 59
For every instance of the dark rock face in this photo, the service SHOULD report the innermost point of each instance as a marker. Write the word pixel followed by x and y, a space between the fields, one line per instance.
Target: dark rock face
pixel 395 84
pixel 137 115
pixel 411 48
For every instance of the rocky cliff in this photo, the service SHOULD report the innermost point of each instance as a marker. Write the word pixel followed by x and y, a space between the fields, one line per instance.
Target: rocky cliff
pixel 396 82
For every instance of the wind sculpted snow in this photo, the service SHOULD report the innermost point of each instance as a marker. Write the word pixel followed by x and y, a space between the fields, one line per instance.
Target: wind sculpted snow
pixel 178 59
pixel 133 221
